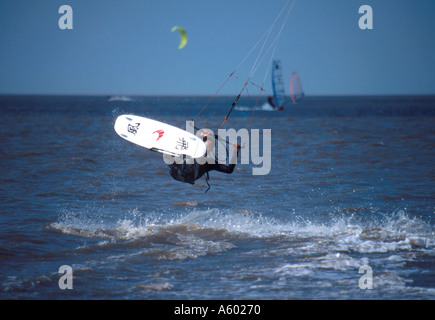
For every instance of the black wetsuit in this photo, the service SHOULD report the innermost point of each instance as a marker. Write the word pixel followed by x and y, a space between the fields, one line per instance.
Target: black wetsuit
pixel 271 101
pixel 189 173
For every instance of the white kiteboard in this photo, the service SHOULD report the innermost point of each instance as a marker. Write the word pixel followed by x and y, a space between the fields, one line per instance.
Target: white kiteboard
pixel 159 136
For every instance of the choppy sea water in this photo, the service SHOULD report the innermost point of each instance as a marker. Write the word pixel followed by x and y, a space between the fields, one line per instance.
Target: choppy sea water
pixel 352 184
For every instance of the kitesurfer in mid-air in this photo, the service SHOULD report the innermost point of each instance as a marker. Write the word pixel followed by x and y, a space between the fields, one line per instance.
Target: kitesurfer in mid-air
pixel 189 173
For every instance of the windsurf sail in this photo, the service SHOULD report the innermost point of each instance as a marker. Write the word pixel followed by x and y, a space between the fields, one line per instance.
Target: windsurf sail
pixel 296 91
pixel 278 84
pixel 267 45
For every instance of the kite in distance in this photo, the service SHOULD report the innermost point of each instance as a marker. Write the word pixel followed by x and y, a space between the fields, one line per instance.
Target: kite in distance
pixel 183 36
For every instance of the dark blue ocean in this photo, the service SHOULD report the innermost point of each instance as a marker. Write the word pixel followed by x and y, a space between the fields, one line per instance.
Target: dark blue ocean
pixel 352 184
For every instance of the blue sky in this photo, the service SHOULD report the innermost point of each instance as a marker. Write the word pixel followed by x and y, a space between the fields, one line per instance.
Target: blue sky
pixel 127 47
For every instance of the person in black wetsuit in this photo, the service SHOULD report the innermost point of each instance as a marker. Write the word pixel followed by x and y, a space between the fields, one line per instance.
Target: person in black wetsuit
pixel 189 173
pixel 271 101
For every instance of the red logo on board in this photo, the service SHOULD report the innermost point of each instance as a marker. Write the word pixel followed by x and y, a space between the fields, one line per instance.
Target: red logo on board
pixel 160 132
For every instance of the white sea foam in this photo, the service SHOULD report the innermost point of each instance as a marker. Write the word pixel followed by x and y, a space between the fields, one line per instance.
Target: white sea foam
pixel 394 232
pixel 343 243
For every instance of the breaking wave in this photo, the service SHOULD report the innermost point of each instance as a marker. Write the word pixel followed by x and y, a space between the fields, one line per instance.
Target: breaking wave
pixel 281 254
pixel 397 232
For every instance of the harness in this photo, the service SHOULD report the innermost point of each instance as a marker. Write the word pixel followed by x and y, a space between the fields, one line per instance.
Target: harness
pixel 187 173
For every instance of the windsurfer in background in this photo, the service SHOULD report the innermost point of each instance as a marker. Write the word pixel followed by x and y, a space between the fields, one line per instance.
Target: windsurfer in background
pixel 271 101
pixel 189 173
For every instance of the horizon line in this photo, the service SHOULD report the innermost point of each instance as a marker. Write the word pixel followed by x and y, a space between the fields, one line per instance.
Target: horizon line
pixel 211 94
